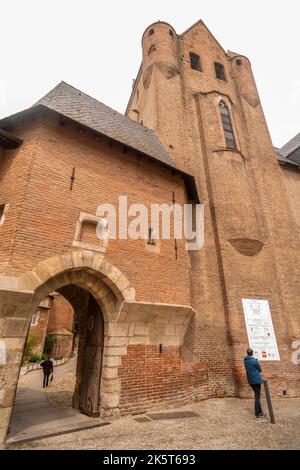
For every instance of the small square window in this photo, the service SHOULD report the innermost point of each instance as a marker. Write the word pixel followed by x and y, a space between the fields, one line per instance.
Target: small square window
pixel 34 320
pixel 195 62
pixel 220 72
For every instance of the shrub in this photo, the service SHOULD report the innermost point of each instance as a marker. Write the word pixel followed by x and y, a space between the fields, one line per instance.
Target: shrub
pixel 50 342
pixel 35 358
pixel 30 343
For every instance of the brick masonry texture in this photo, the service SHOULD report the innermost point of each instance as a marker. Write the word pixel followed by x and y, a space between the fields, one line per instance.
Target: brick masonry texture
pixel 174 328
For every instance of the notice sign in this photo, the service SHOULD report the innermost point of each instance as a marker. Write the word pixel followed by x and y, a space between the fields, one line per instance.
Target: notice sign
pixel 260 330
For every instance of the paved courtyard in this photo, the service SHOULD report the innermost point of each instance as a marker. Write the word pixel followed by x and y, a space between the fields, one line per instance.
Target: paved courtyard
pixel 220 424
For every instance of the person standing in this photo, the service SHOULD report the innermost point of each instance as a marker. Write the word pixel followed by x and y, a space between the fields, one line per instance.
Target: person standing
pixel 47 366
pixel 253 371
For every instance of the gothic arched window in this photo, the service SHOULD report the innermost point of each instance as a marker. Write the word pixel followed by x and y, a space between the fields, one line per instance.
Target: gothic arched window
pixel 227 126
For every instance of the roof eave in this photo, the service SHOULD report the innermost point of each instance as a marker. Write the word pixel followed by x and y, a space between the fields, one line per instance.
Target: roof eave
pixel 190 183
pixel 9 141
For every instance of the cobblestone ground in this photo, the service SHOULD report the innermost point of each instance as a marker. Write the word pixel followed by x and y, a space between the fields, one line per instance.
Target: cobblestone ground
pixel 221 424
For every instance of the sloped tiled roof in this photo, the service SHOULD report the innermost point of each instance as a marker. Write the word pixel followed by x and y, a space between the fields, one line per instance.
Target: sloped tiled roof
pixel 291 146
pixel 290 152
pixel 82 108
pixel 73 104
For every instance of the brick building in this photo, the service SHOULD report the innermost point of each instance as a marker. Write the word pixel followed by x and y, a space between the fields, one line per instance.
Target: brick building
pixel 158 325
pixel 54 317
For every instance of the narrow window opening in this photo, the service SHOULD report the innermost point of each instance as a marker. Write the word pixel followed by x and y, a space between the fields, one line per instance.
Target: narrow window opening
pixel 152 49
pixel 220 71
pixel 34 320
pixel 171 33
pixel 2 207
pixel 151 32
pixel 151 237
pixel 227 126
pixel 195 62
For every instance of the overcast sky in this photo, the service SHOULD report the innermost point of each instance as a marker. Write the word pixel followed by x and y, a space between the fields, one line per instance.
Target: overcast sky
pixel 95 46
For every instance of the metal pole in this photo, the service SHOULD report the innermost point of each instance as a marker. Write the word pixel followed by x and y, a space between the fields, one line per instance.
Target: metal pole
pixel 268 398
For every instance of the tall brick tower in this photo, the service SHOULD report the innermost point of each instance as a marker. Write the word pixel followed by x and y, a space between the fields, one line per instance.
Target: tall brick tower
pixel 204 105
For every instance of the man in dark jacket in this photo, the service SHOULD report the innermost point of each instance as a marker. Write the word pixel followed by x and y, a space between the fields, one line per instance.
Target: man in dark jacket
pixel 47 366
pixel 253 371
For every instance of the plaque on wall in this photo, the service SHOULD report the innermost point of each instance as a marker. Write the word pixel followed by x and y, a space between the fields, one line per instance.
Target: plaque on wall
pixel 260 330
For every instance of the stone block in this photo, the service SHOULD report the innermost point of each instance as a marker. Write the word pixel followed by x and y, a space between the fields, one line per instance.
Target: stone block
pixel 3 434
pixel 110 400
pixel 141 329
pixel 173 340
pixel 137 340
pixel 15 328
pixel 122 283
pixel 170 329
pixel 5 415
pixel 129 294
pixel 112 361
pixel 114 274
pixel 111 385
pixel 117 329
pixel 110 372
pixel 97 262
pixel 115 351
pixel 2 323
pixel 116 341
pixel 131 329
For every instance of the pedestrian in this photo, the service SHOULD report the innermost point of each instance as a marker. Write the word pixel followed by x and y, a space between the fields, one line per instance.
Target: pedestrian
pixel 47 366
pixel 253 371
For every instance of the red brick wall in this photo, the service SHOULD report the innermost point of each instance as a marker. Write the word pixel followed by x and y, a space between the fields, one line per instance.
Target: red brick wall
pixel 244 194
pixel 61 315
pixel 46 224
pixel 151 379
pixel 39 331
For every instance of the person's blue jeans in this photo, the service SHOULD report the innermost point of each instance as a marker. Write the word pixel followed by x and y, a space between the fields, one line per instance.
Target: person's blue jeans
pixel 257 389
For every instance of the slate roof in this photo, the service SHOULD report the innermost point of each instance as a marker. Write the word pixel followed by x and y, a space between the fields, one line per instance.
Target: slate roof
pixel 78 106
pixel 291 146
pixel 73 104
pixel 290 152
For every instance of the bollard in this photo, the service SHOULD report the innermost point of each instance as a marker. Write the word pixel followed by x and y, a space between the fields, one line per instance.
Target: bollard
pixel 268 398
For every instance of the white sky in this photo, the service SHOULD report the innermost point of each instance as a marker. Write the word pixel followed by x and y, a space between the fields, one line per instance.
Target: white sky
pixel 95 46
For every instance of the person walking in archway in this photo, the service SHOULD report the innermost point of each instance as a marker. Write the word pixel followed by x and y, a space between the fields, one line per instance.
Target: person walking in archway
pixel 47 366
pixel 253 371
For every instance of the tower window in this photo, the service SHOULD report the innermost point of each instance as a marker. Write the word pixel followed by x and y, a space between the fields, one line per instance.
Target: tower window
pixel 152 49
pixel 220 72
pixel 151 32
pixel 227 126
pixel 171 33
pixel 1 210
pixel 195 62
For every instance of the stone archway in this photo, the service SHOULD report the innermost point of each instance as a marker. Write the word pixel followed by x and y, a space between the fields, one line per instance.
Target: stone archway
pixel 109 290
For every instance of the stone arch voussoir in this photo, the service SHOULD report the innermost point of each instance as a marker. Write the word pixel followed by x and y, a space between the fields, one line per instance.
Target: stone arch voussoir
pixel 86 269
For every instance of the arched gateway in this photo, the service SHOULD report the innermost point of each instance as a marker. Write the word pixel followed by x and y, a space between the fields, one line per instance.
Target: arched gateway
pixel 113 330
pixel 97 290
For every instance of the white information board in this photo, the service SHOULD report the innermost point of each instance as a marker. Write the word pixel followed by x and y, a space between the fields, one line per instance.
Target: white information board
pixel 260 330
